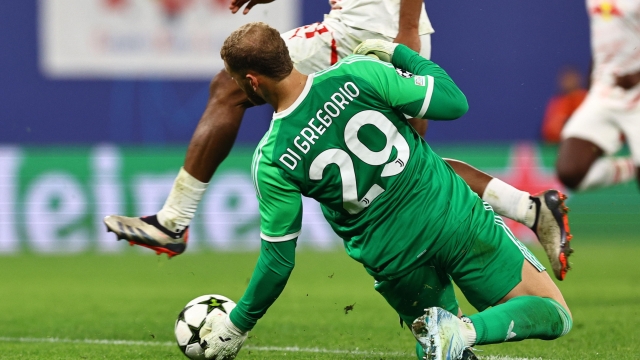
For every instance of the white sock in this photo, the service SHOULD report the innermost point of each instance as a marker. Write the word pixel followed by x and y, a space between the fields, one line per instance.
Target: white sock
pixel 470 333
pixel 182 203
pixel 607 171
pixel 510 202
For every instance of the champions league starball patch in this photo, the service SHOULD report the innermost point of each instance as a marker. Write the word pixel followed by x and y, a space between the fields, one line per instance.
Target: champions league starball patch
pixel 404 73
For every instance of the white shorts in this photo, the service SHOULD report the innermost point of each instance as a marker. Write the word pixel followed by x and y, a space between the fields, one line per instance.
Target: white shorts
pixel 603 125
pixel 317 46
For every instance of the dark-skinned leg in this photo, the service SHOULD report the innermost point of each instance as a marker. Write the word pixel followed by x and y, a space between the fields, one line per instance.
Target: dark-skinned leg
pixel 582 166
pixel 218 127
pixel 575 158
pixel 210 145
pixel 504 198
pixel 476 179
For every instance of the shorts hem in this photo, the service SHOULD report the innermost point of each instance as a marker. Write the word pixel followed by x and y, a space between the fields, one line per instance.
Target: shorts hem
pixel 503 292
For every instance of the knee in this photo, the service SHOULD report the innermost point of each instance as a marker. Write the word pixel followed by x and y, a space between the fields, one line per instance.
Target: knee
pixel 570 174
pixel 563 304
pixel 566 318
pixel 575 158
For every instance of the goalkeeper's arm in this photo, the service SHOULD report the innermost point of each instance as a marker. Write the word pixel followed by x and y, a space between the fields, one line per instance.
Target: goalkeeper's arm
pixel 447 101
pixel 269 278
pixel 443 101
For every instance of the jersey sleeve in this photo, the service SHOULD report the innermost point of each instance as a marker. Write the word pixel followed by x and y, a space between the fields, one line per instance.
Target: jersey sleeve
pixel 270 276
pixel 418 87
pixel 280 204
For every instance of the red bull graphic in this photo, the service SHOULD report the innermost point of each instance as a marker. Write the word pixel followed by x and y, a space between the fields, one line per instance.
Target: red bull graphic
pixel 606 9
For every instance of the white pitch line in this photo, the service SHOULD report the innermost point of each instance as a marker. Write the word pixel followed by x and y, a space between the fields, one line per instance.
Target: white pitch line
pixel 493 357
pixel 86 341
pixel 249 347
pixel 170 343
pixel 324 351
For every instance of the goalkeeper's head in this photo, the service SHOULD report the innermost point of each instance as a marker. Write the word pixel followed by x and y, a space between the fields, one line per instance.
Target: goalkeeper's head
pixel 256 50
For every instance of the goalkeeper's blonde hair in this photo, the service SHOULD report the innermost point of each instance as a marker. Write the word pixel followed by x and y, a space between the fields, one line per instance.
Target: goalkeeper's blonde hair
pixel 257 47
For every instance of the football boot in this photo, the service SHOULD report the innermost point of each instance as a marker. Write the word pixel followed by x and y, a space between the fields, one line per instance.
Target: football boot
pixel 552 228
pixel 467 354
pixel 147 231
pixel 441 334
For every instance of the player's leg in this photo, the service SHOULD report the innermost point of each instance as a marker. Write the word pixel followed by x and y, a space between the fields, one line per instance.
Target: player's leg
pixel 544 213
pixel 589 139
pixel 582 166
pixel 506 199
pixel 425 286
pixel 167 232
pixel 575 158
pixel 534 309
pixel 533 211
pixel 218 127
pixel 410 294
pixel 492 268
pixel 210 144
pixel 539 311
pixel 310 50
pixel 630 125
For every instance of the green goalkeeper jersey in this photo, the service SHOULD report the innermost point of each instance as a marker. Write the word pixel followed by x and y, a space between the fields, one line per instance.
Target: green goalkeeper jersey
pixel 346 142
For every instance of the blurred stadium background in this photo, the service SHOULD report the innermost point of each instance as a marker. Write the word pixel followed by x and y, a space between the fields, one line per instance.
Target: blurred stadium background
pixel 100 97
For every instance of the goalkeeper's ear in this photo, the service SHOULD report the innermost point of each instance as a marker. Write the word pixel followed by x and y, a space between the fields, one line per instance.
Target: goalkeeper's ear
pixel 379 49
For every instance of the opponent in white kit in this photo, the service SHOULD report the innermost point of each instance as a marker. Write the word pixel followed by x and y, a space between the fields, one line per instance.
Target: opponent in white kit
pixel 314 48
pixel 612 107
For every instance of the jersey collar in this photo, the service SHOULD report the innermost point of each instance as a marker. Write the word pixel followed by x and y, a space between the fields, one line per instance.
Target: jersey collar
pixel 295 104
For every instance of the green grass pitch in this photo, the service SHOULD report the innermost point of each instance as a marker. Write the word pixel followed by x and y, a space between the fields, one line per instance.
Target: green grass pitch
pixel 124 307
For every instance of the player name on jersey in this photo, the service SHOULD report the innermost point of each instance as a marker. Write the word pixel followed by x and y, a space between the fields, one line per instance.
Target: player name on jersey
pixel 317 125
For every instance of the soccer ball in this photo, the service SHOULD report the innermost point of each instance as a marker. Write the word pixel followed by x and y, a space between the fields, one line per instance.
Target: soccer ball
pixel 193 317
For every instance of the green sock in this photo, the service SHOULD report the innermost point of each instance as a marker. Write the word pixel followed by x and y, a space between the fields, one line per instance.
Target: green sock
pixel 523 317
pixel 419 351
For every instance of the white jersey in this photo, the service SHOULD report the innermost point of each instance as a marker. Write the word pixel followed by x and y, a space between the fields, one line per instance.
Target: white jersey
pixel 615 43
pixel 380 16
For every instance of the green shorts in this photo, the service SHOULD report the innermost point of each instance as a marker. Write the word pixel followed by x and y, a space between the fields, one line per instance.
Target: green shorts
pixel 483 258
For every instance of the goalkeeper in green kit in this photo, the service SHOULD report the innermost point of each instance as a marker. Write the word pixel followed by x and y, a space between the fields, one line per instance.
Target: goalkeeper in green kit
pixel 341 136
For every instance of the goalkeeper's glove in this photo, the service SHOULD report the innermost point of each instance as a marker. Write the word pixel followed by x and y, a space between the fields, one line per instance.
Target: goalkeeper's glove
pixel 221 339
pixel 379 49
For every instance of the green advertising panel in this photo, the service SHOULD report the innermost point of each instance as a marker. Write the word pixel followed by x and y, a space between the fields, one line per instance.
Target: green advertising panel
pixel 52 200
